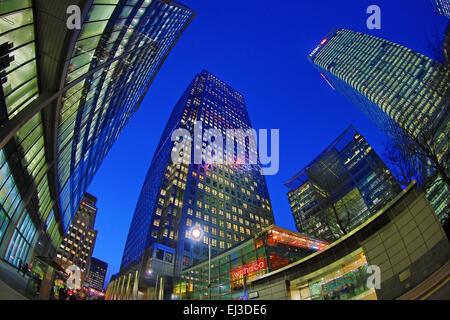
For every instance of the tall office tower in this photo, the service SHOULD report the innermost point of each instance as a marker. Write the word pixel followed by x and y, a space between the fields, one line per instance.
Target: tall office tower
pixel 66 94
pixel 341 188
pixel 393 86
pixel 97 274
pixel 230 202
pixel 442 7
pixel 78 245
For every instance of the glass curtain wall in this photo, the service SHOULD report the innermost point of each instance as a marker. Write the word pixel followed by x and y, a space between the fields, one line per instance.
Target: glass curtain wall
pixel 22 161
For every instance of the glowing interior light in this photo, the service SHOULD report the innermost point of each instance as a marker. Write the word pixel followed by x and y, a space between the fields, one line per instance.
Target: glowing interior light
pixel 323 41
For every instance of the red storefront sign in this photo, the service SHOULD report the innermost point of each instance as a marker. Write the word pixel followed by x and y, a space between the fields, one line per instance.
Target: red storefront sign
pixel 249 268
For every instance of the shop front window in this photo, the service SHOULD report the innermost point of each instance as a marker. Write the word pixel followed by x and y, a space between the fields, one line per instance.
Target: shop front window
pixel 36 276
pixel 20 242
pixel 343 280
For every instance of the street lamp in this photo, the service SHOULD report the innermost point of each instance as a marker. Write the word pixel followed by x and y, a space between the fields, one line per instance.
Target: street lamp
pixel 149 272
pixel 196 234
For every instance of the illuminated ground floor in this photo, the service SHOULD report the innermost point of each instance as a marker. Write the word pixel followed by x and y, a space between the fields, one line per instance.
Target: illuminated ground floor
pixel 230 272
pixel 345 279
pixel 393 252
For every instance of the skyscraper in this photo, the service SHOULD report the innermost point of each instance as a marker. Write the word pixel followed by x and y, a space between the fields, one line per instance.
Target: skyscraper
pixel 341 188
pixel 78 244
pixel 395 87
pixel 442 7
pixel 66 94
pixel 230 202
pixel 97 274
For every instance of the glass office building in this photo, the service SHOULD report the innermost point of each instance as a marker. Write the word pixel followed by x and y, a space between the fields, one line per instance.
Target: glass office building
pixel 341 188
pixel 97 274
pixel 229 202
pixel 65 96
pixel 392 85
pixel 442 7
pixel 269 250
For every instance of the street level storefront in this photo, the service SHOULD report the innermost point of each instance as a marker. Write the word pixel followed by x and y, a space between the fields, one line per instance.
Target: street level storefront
pixel 404 240
pixel 231 271
pixel 345 279
pixel 46 278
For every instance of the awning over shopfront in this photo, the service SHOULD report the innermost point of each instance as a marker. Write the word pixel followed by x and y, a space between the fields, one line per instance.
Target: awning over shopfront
pixel 53 264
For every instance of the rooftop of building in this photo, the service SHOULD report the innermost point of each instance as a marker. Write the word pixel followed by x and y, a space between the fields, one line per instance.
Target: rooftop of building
pixel 342 141
pixel 90 197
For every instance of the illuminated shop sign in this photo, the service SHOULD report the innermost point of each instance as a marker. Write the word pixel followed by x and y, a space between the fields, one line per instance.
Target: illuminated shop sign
pixel 249 269
pixel 296 240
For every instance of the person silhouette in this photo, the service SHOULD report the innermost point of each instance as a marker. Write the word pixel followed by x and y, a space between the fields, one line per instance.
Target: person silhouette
pixel 25 269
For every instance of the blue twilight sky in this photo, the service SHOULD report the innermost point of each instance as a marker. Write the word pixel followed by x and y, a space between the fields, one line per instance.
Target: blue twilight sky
pixel 258 47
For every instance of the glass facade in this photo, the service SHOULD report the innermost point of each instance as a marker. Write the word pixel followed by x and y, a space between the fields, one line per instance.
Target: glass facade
pixel 442 7
pixel 22 160
pixel 19 77
pixel 229 202
pixel 97 274
pixel 53 139
pixel 340 189
pixel 392 85
pixel 345 279
pixel 232 270
pixel 116 56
